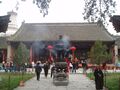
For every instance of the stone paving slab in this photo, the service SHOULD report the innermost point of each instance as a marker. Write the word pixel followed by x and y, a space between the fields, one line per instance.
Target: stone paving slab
pixel 76 82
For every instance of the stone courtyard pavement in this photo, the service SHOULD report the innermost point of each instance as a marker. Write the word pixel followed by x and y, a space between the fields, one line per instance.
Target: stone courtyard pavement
pixel 76 82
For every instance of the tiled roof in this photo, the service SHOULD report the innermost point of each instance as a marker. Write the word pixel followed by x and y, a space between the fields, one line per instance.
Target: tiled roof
pixel 117 41
pixel 116 22
pixel 4 20
pixel 51 32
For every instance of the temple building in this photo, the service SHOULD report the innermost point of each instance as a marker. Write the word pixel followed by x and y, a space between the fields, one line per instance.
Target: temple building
pixel 3 49
pixel 8 26
pixel 116 23
pixel 38 36
pixel 4 21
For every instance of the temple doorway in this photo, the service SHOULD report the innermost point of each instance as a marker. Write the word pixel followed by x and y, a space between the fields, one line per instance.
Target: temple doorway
pixel 39 52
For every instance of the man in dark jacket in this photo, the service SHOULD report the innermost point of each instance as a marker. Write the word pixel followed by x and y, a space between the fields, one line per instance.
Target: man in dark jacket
pixel 98 78
pixel 52 70
pixel 38 70
pixel 84 66
pixel 46 68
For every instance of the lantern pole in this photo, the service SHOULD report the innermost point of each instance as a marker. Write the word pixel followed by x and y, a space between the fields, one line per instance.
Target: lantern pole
pixel 50 47
pixel 73 51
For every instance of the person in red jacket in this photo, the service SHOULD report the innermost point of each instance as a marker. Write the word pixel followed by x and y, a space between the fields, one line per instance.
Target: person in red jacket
pixel 68 64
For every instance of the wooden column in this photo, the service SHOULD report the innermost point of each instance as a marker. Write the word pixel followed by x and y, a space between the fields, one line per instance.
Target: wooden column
pixel 116 53
pixel 9 52
pixel 3 56
pixel 31 55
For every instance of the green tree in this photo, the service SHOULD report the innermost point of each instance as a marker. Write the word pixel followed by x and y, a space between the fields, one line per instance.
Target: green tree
pixel 93 10
pixel 21 55
pixel 43 5
pixel 98 10
pixel 99 53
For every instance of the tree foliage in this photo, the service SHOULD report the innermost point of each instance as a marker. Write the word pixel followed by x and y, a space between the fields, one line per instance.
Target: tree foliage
pixel 21 55
pixel 99 54
pixel 98 10
pixel 43 5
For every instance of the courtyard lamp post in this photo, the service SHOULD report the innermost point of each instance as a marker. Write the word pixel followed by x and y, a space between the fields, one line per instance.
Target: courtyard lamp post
pixel 73 48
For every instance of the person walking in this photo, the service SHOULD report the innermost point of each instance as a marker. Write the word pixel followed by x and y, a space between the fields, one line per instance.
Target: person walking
pixel 38 70
pixel 71 66
pixel 84 66
pixel 74 67
pixel 99 78
pixel 52 70
pixel 46 68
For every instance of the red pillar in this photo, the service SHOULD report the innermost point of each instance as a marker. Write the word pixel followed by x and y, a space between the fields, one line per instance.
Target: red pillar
pixel 73 54
pixel 113 54
pixel 12 52
pixel 3 55
pixel 50 47
pixel 73 51
pixel 31 55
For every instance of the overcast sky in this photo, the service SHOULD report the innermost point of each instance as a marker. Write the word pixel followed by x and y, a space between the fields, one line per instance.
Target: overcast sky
pixel 59 11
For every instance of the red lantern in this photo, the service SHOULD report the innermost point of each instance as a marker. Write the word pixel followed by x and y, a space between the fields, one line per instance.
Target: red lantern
pixel 50 47
pixel 73 48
